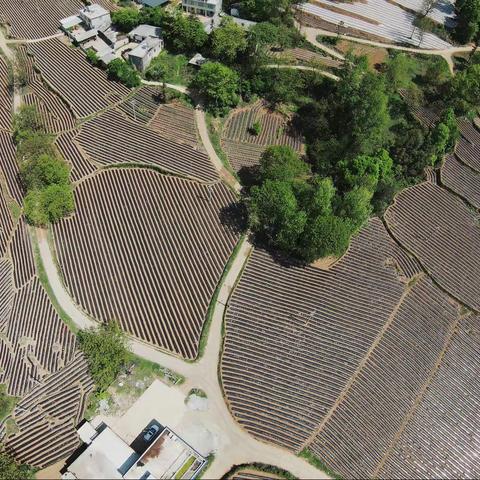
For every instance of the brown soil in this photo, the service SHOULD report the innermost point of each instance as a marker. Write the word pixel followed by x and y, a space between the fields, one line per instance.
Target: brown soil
pixel 324 263
pixel 375 55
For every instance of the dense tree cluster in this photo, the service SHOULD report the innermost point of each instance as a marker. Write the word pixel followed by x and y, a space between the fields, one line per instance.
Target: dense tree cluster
pixel 105 348
pixel 468 21
pixel 10 470
pixel 123 72
pixel 44 175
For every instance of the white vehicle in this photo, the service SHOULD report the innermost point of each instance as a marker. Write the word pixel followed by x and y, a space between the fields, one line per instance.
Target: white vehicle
pixel 151 432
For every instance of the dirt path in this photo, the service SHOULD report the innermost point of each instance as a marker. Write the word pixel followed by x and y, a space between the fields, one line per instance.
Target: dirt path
pixel 311 35
pixel 21 41
pixel 304 67
pixel 235 444
pixel 202 128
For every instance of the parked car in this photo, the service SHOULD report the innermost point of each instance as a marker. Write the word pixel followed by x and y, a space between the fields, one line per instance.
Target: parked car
pixel 151 432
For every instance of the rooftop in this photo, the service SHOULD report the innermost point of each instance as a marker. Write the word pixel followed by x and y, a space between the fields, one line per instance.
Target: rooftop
pixel 93 11
pixel 154 3
pixel 146 31
pixel 144 47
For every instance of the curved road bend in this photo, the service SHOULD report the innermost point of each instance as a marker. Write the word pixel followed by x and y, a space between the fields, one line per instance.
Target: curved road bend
pixel 235 444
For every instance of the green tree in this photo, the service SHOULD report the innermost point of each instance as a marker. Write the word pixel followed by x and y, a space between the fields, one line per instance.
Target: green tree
pixel 92 57
pixel 275 11
pixel 126 19
pixel 356 207
pixel 320 200
pixel 400 70
pixel 44 170
pixel 184 33
pixel 275 214
pixel 25 122
pixel 106 351
pixel 468 20
pixel 10 470
pixel 49 204
pixel 228 41
pixel 465 90
pixel 282 163
pixel 325 236
pixel 218 85
pixel 34 144
pixel 121 71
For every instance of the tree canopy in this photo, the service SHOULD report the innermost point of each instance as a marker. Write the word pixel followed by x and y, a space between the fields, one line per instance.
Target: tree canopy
pixel 105 348
pixel 10 470
pixel 468 21
pixel 228 41
pixel 218 86
pixel 126 19
pixel 121 71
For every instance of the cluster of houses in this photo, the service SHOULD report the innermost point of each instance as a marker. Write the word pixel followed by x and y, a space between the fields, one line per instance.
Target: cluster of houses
pixel 91 29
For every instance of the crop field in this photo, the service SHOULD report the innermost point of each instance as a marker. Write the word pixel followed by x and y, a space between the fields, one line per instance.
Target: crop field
pixel 372 412
pixel 377 19
pixel 442 440
pixel 275 129
pixel 444 235
pixel 47 416
pixel 39 18
pixel 22 255
pixel 70 151
pixel 306 56
pixel 461 179
pixel 143 104
pixel 156 251
pixel 112 139
pixel 85 88
pixel 176 122
pixel 283 365
pixel 6 224
pixel 6 100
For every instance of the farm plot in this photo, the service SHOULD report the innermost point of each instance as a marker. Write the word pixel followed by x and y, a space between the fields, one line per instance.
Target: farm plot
pixel 6 223
pixel 443 12
pixel 22 255
pixel 143 104
pixel 39 18
pixel 47 416
pixel 468 153
pixel 295 335
pixel 275 129
pixel 9 166
pixel 6 100
pixel 176 122
pixel 375 18
pixel 461 179
pixel 85 88
pixel 35 341
pixel 442 232
pixel 112 139
pixel 442 440
pixel 156 251
pixel 306 56
pixel 355 438
pixel 71 152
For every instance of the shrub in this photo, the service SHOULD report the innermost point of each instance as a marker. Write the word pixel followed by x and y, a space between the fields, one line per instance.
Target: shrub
pixel 121 71
pixel 255 129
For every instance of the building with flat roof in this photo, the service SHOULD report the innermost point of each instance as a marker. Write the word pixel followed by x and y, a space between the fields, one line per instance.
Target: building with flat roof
pixel 142 55
pixel 95 16
pixel 206 8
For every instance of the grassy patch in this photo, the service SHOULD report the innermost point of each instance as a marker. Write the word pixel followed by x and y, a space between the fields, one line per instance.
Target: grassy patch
pixel 7 403
pixel 327 39
pixel 210 460
pixel 46 285
pixel 317 463
pixel 15 209
pixel 198 392
pixel 129 385
pixel 170 69
pixel 260 467
pixel 213 302
pixel 185 467
pixel 214 126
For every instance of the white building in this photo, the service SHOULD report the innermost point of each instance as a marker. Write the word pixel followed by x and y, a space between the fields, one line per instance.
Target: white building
pixel 151 44
pixel 95 17
pixel 206 8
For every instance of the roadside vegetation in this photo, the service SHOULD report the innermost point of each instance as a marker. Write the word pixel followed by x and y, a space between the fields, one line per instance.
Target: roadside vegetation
pixel 276 472
pixel 317 463
pixel 10 470
pixel 44 175
pixel 7 403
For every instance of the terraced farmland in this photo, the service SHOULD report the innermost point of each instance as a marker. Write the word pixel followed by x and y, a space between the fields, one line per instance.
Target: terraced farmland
pixel 156 251
pixel 47 416
pixel 39 18
pixel 443 233
pixel 461 179
pixel 71 152
pixel 10 166
pixel 374 408
pixel 85 88
pixel 244 149
pixel 176 122
pixel 143 104
pixel 6 224
pixel 442 440
pixel 21 251
pixel 6 100
pixel 112 139
pixel 295 335
pixel 306 56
